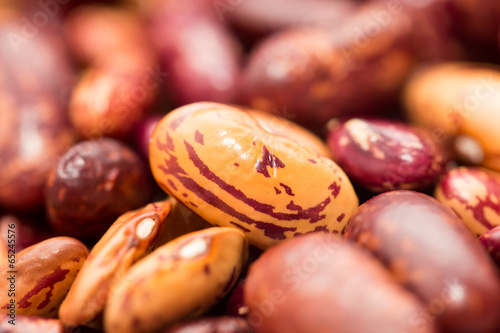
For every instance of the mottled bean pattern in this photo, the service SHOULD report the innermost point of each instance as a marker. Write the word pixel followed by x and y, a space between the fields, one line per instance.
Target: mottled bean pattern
pixel 474 194
pixel 45 272
pixel 223 165
pixel 180 279
pixel 129 239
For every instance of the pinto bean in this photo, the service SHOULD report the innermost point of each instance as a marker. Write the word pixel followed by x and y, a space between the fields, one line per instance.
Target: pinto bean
pixel 224 166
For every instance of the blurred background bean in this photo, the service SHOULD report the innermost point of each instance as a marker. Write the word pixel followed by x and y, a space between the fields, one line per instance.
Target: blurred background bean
pixel 33 121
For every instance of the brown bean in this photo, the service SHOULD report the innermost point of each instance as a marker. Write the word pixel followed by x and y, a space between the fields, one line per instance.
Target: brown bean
pixel 449 15
pixel 34 93
pixel 212 325
pixel 321 284
pixel 223 165
pixel 129 239
pixel 473 194
pixel 399 156
pixel 431 251
pixel 454 100
pixel 44 274
pixel 92 184
pixel 181 279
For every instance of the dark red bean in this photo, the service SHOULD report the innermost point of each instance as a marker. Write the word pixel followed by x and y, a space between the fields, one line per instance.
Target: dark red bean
pixel 196 49
pixel 432 252
pixel 319 283
pixel 385 155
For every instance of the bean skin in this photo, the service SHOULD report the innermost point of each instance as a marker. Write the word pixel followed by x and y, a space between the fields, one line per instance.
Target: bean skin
pixel 473 194
pixel 385 155
pixel 431 252
pixel 321 283
pixel 45 272
pixel 223 165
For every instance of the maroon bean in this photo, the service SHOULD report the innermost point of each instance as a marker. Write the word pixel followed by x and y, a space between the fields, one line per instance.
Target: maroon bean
pixel 92 184
pixel 319 283
pixel 385 155
pixel 431 251
pixel 197 51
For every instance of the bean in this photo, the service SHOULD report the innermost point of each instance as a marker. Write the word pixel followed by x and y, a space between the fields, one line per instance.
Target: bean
pixel 44 274
pixel 431 252
pixel 398 156
pixel 131 237
pixel 92 184
pixel 473 194
pixel 227 168
pixel 320 283
pixel 210 260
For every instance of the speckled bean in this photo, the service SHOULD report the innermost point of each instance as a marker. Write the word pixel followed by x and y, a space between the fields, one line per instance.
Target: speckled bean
pixel 474 194
pixel 129 239
pixel 223 165
pixel 385 155
pixel 200 55
pixel 45 272
pixel 180 279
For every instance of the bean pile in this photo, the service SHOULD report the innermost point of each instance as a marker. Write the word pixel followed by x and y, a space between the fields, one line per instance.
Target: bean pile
pixel 250 166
